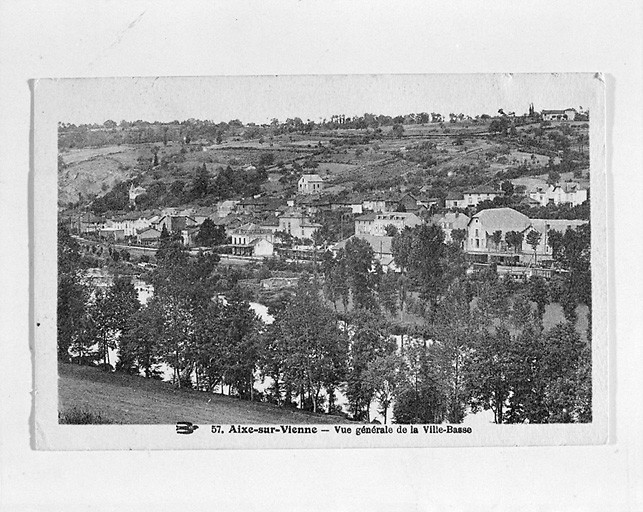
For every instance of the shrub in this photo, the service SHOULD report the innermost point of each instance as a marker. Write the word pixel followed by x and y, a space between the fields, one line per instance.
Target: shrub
pixel 77 416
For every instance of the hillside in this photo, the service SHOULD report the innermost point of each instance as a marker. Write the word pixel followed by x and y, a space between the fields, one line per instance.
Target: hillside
pixel 126 399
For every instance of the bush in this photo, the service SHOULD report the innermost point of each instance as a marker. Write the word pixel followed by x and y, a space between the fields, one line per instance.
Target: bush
pixel 77 416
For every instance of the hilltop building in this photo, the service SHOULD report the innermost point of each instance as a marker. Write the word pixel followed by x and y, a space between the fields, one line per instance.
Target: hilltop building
pixel 568 114
pixel 310 184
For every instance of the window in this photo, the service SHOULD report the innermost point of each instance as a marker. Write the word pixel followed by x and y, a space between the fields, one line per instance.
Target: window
pixel 477 243
pixel 477 233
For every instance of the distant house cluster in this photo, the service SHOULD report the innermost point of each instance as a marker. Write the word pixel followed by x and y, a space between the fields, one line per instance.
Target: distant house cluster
pixel 568 114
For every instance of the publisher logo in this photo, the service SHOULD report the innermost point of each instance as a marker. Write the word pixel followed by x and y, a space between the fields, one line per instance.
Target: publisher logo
pixel 185 427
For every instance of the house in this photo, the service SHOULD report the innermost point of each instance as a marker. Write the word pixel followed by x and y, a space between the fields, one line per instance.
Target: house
pixel 90 223
pixel 545 227
pixel 130 223
pixel 200 214
pixel 244 234
pixel 252 240
pixel 115 234
pixel 310 184
pixel 450 221
pixel 382 249
pixel 354 203
pixel 175 223
pixel 566 193
pixel 485 223
pixel 271 223
pixel 364 223
pixel 297 224
pixel 407 203
pixel 427 202
pixel 311 204
pixel 375 202
pixel 482 247
pixel 454 200
pixel 134 192
pixel 250 204
pixel 225 208
pixel 478 194
pixel 148 236
pixel 528 201
pixel 568 114
pixel 399 220
pixel 257 247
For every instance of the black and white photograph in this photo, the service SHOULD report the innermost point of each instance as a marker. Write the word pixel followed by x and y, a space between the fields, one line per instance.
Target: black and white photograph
pixel 287 256
pixel 298 255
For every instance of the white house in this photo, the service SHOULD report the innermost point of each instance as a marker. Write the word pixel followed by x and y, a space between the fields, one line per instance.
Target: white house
pixel 566 193
pixel 485 223
pixel 482 226
pixel 244 234
pixel 476 195
pixel 450 221
pixel 310 184
pixel 364 223
pixel 454 200
pixel 375 202
pixel 568 114
pixel 399 220
pixel 297 224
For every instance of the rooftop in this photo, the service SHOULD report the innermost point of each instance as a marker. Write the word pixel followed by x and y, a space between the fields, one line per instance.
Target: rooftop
pixel 503 219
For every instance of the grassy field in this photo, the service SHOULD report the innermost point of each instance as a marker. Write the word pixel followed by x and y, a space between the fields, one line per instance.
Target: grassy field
pixel 119 398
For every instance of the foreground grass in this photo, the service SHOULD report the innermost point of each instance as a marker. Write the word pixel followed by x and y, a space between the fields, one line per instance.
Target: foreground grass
pixel 88 395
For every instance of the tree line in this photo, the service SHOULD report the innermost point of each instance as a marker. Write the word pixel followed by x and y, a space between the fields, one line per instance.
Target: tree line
pixel 427 344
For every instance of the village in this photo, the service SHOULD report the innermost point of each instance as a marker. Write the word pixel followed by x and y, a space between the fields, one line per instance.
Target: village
pixel 369 222
pixel 262 227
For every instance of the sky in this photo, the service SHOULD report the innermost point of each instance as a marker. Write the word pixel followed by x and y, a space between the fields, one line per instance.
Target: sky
pixel 258 99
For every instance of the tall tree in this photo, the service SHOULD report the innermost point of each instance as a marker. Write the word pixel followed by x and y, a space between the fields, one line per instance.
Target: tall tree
pixel 308 348
pixel 496 238
pixel 359 265
pixel 419 396
pixel 241 350
pixel 514 239
pixel 201 183
pixel 210 234
pixel 533 239
pixel 368 341
pixel 71 293
pixel 453 332
pixel 139 348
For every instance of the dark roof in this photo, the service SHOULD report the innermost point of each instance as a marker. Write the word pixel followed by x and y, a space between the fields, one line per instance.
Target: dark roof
pixel 482 189
pixel 454 195
pixel 367 216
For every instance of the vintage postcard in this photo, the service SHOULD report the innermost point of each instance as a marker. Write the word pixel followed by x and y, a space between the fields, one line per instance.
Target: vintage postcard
pixel 320 261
